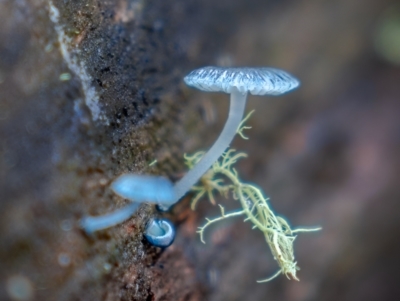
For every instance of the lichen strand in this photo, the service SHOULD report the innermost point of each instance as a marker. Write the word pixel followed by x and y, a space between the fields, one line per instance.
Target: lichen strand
pixel 276 230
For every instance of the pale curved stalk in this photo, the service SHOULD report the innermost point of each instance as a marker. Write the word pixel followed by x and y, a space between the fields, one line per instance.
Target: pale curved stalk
pixel 236 111
pixel 91 224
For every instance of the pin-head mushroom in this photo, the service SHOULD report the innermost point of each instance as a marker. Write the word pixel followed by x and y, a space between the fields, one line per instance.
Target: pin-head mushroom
pixel 142 188
pixel 160 232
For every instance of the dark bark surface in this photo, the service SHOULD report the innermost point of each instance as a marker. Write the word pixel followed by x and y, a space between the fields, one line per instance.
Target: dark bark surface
pixel 92 89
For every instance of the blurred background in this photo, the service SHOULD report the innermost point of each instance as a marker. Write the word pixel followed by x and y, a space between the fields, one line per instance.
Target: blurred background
pixel 327 154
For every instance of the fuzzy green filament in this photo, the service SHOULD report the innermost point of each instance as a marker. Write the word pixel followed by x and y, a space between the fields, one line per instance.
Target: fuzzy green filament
pixel 255 208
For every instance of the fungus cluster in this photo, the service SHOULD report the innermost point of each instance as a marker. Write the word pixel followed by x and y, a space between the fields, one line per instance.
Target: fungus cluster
pixel 237 82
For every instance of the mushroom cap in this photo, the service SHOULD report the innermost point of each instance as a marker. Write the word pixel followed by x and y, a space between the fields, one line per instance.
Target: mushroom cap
pixel 257 81
pixel 142 188
pixel 160 232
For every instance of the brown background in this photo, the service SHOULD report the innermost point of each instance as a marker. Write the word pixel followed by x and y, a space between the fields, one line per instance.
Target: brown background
pixel 327 154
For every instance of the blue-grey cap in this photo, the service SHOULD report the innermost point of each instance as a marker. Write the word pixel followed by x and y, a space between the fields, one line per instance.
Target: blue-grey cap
pixel 142 188
pixel 257 81
pixel 160 232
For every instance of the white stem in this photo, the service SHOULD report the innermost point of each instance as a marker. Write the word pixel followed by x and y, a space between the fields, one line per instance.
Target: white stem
pixel 92 224
pixel 236 111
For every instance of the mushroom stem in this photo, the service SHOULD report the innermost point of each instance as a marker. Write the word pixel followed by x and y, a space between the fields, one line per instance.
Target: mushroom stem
pixel 236 111
pixel 91 224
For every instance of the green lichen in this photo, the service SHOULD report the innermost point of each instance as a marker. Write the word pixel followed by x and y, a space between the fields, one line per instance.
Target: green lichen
pixel 224 179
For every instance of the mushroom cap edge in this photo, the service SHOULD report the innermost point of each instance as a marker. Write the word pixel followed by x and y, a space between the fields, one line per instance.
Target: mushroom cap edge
pixel 257 81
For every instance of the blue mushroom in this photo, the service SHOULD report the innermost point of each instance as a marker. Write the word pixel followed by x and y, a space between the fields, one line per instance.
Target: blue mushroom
pixel 144 188
pixel 136 188
pixel 237 82
pixel 160 232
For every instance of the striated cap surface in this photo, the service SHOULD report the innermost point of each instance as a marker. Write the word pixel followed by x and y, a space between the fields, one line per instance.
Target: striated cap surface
pixel 257 81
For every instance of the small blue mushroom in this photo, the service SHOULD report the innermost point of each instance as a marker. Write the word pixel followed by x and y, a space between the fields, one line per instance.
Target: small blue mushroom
pixel 143 188
pixel 136 188
pixel 160 232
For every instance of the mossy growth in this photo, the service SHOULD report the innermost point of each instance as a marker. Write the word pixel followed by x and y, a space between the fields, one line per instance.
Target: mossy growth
pixel 224 179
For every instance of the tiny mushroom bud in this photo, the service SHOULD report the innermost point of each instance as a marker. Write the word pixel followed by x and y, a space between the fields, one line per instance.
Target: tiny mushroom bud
pixel 142 188
pixel 160 232
pixel 136 188
pixel 237 82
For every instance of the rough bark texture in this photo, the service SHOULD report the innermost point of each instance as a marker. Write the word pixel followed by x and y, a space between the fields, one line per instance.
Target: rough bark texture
pixel 92 89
